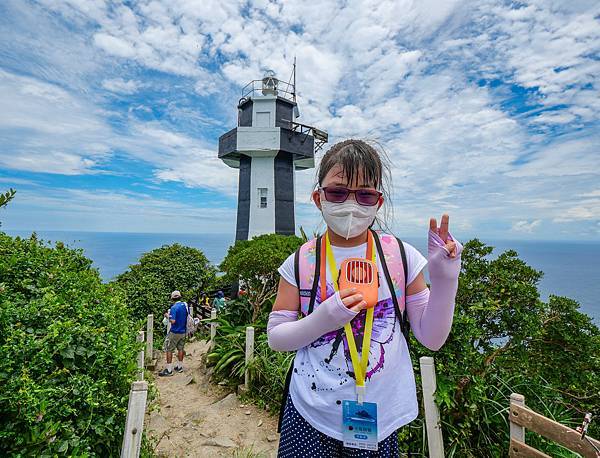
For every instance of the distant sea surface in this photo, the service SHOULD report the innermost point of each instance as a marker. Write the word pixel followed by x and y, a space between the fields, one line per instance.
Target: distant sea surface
pixel 570 268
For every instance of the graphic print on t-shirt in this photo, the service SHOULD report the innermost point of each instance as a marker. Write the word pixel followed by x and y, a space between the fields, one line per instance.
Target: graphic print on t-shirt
pixel 384 322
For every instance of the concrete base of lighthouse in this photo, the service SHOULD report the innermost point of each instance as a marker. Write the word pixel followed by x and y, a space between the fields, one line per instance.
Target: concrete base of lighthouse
pixel 266 195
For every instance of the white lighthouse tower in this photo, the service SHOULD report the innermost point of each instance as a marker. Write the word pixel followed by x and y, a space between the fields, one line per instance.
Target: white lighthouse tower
pixel 268 146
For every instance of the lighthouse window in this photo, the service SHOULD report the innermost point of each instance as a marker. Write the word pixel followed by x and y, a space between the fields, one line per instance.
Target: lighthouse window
pixel 262 197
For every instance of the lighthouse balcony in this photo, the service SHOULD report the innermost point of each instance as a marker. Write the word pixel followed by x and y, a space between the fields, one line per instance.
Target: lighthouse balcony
pixel 267 141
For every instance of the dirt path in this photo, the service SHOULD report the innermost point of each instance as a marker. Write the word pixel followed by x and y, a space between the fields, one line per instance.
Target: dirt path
pixel 196 418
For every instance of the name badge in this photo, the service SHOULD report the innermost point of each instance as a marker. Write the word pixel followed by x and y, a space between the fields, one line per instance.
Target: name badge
pixel 360 425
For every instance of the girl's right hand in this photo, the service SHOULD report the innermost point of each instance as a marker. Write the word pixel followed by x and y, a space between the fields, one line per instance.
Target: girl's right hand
pixel 353 300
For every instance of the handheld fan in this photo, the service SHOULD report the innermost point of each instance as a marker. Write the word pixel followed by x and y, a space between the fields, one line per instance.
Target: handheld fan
pixel 361 274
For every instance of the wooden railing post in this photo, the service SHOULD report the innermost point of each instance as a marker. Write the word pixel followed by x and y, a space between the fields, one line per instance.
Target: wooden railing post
pixel 150 339
pixel 523 419
pixel 249 354
pixel 213 327
pixel 516 431
pixel 140 360
pixel 134 426
pixel 435 440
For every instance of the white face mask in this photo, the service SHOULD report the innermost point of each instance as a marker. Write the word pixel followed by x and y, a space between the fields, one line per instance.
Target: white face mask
pixel 348 219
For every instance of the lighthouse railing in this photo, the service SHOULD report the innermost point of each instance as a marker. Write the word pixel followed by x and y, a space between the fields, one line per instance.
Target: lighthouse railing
pixel 284 89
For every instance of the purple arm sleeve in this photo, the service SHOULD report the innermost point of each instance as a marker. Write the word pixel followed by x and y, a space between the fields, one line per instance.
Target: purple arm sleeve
pixel 287 333
pixel 430 312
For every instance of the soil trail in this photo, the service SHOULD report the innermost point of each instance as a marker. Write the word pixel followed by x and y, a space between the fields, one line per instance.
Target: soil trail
pixel 196 418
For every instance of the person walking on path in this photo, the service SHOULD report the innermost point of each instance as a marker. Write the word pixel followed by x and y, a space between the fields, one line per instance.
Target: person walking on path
pixel 176 336
pixel 219 301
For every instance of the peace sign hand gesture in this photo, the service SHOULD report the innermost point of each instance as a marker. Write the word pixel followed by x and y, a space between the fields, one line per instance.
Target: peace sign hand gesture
pixel 443 234
pixel 443 252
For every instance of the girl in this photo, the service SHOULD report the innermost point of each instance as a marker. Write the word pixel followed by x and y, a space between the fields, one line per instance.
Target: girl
pixel 352 385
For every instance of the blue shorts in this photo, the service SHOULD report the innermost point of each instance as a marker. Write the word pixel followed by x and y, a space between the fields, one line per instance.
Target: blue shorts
pixel 299 439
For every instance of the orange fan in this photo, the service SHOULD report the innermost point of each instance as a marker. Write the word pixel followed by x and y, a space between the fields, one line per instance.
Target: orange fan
pixel 361 274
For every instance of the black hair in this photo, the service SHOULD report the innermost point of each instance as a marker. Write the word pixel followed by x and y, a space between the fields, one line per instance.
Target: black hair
pixel 361 161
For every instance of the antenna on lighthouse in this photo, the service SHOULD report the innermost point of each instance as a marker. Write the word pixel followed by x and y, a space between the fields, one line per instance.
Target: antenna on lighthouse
pixel 292 84
pixel 294 87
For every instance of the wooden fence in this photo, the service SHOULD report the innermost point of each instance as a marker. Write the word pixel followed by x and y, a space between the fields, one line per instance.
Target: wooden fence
pixel 138 395
pixel 521 419
pixel 136 409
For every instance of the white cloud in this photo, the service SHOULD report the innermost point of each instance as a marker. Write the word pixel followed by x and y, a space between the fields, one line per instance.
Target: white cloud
pixel 594 193
pixel 47 129
pixel 569 156
pixel 526 226
pixel 114 45
pixel 550 47
pixel 180 158
pixel 121 86
pixel 413 75
pixel 590 211
pixel 76 210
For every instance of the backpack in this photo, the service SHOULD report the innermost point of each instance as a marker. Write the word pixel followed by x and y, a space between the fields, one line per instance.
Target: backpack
pixel 307 259
pixel 190 324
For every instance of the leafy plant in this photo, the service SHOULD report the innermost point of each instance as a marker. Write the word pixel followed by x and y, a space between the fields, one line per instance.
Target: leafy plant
pixel 6 197
pixel 255 263
pixel 268 370
pixel 67 353
pixel 505 339
pixel 229 352
pixel 148 284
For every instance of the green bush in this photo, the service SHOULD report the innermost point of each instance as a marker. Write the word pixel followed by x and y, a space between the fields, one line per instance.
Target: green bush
pixel 255 263
pixel 6 197
pixel 229 351
pixel 67 354
pixel 268 370
pixel 505 339
pixel 148 284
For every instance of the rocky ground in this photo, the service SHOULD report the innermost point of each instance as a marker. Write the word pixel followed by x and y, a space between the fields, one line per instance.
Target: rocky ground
pixel 195 418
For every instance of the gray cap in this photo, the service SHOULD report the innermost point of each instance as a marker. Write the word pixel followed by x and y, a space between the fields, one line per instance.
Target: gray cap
pixel 175 295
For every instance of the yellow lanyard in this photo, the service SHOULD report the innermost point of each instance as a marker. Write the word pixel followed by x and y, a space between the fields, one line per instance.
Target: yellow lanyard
pixel 360 366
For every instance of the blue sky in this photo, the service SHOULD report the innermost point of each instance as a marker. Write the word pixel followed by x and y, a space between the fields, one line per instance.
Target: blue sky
pixel 488 110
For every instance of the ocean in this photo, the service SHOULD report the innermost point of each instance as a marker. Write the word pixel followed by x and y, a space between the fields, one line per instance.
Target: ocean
pixel 570 268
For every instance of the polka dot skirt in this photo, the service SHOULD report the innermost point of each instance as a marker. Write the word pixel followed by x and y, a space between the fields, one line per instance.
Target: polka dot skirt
pixel 299 439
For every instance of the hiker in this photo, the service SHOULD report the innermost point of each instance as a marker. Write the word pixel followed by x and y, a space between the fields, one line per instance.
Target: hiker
pixel 351 385
pixel 204 300
pixel 219 301
pixel 178 315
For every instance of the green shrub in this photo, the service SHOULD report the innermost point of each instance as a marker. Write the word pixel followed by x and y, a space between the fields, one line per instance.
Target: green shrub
pixel 255 263
pixel 268 370
pixel 148 284
pixel 67 354
pixel 228 353
pixel 504 339
pixel 6 197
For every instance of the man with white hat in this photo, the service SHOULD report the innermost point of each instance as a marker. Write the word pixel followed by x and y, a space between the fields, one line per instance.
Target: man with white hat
pixel 176 336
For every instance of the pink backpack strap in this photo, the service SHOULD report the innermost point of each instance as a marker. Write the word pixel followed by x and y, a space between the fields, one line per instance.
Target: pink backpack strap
pixel 306 270
pixel 393 263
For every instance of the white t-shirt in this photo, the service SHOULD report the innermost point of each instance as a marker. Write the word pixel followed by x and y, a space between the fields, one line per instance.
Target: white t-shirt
pixel 321 379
